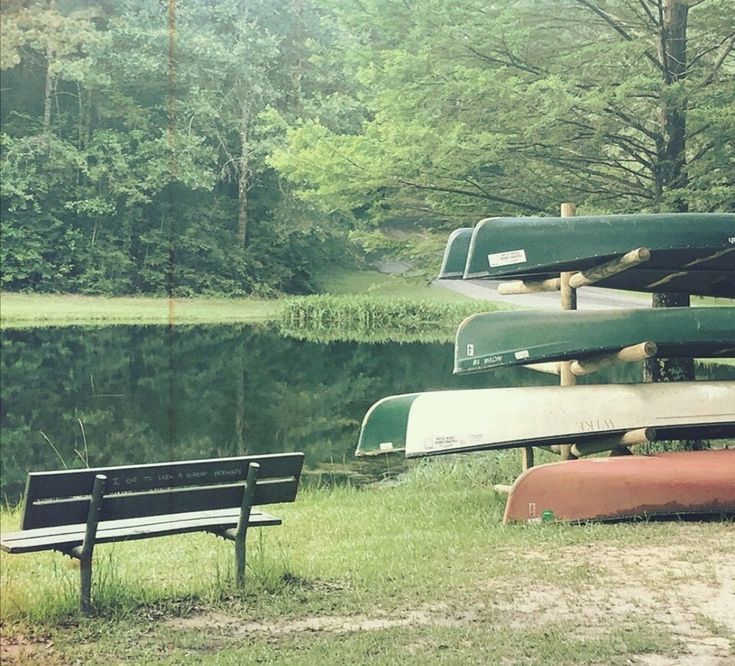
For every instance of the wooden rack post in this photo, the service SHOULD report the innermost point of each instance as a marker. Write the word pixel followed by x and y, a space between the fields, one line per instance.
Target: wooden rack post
pixel 568 302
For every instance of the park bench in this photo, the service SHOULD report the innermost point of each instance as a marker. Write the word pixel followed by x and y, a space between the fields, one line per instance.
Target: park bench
pixel 73 510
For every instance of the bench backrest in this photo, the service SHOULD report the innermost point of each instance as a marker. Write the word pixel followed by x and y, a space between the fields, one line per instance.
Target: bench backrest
pixel 135 491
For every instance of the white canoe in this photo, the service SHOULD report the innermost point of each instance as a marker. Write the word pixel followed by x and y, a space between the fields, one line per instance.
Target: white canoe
pixel 452 421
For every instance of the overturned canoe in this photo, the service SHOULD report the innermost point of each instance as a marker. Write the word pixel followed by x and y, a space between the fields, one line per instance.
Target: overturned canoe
pixel 455 254
pixel 624 487
pixel 440 422
pixel 497 339
pixel 689 252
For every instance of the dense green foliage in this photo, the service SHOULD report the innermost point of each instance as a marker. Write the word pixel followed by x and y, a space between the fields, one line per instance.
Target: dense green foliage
pixel 134 145
pixel 480 108
pixel 242 146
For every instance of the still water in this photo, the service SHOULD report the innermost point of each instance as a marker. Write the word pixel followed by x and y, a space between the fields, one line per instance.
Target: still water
pixel 94 396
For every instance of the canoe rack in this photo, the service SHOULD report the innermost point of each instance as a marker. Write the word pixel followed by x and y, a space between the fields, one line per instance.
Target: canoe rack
pixel 567 283
pixel 617 444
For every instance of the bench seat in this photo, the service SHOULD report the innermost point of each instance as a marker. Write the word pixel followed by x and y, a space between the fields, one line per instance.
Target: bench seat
pixel 65 537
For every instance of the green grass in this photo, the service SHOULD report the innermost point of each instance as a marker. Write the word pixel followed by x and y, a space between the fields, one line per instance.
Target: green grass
pixel 384 285
pixel 373 318
pixel 414 571
pixel 26 310
pixel 419 570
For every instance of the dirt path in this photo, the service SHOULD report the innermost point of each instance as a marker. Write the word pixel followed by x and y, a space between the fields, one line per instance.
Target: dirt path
pixel 633 586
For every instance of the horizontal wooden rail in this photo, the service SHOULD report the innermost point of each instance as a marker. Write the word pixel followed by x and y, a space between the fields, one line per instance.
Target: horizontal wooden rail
pixel 629 354
pixel 586 366
pixel 550 368
pixel 528 287
pixel 606 270
pixel 580 279
pixel 629 438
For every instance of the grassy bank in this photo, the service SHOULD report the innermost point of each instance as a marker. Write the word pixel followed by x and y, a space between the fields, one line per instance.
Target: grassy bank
pixel 28 310
pixel 416 571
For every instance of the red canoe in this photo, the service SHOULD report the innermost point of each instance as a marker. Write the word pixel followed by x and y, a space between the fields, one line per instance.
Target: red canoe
pixel 666 484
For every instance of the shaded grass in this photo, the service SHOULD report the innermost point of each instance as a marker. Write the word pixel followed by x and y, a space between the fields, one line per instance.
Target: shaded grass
pixel 479 643
pixel 432 533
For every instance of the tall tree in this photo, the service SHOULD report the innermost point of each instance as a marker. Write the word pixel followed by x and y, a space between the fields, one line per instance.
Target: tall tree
pixel 479 108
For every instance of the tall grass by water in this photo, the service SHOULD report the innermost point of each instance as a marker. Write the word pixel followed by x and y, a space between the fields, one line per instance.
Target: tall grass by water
pixel 370 318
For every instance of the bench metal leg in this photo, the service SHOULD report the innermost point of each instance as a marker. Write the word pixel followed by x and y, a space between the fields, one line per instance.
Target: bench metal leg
pixel 85 551
pixel 242 524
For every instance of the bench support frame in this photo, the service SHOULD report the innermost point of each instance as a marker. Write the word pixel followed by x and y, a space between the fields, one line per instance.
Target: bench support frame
pixel 239 534
pixel 85 552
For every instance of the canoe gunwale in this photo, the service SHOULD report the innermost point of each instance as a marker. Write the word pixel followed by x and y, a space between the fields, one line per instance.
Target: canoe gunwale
pixel 710 431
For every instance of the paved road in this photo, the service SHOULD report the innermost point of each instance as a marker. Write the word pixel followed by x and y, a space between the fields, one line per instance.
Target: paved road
pixel 588 298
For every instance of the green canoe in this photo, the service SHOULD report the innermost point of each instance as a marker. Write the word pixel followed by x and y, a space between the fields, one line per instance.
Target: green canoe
pixel 497 339
pixel 455 254
pixel 689 252
pixel 439 422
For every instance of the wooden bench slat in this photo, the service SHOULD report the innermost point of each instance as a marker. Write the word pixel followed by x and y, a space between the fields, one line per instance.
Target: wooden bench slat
pixel 65 483
pixel 28 541
pixel 132 505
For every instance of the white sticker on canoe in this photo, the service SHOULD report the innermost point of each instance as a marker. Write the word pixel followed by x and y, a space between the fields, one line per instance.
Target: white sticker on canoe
pixel 506 258
pixel 520 355
pixel 386 446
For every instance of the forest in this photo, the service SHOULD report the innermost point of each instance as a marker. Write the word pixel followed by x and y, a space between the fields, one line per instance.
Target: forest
pixel 239 147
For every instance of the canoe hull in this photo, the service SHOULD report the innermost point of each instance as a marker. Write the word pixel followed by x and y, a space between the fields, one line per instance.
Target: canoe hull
pixel 693 483
pixel 441 422
pixel 497 339
pixel 455 254
pixel 690 252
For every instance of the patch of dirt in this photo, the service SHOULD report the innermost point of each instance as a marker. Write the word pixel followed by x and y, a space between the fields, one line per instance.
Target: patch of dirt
pixel 694 600
pixel 436 614
pixel 685 588
pixel 23 650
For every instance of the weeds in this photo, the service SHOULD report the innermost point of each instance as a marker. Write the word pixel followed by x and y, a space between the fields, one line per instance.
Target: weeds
pixel 374 319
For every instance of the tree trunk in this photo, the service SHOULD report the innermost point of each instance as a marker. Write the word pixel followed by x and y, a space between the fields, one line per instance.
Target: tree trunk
pixel 243 181
pixel 673 57
pixel 672 53
pixel 49 89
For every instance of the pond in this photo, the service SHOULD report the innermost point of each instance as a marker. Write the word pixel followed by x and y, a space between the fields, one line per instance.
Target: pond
pixel 79 396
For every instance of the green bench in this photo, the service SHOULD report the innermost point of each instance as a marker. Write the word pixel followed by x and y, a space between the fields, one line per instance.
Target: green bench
pixel 73 510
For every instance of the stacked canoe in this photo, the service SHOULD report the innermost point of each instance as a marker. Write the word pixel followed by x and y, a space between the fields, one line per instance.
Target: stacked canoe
pixel 688 253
